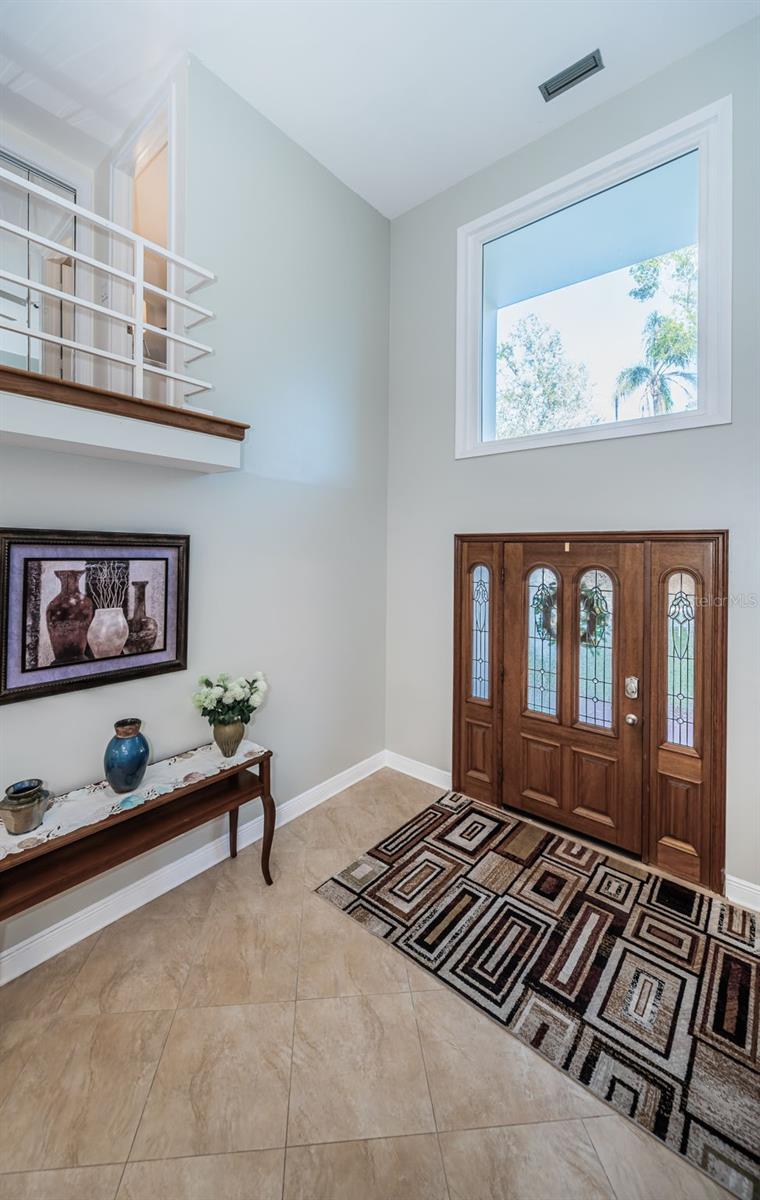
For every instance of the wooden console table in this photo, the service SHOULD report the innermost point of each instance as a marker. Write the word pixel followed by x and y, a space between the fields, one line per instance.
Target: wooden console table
pixel 52 859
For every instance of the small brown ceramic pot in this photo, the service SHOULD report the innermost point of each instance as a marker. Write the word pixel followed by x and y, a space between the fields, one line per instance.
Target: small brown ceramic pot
pixel 24 806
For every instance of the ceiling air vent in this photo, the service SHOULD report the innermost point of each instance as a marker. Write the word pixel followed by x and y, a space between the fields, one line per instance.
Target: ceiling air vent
pixel 580 70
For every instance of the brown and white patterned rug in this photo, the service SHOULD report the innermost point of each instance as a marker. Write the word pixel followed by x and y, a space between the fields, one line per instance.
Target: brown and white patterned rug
pixel 645 990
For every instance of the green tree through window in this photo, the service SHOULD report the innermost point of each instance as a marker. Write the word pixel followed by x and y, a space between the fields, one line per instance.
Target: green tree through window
pixel 538 385
pixel 669 339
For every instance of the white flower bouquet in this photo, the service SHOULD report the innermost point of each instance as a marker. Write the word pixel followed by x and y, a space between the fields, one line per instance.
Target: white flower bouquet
pixel 225 700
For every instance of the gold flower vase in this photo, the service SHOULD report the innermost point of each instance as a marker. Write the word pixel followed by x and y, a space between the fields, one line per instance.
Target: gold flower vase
pixel 228 737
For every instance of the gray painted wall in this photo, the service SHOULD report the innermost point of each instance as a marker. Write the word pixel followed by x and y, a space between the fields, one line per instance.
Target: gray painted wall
pixel 287 563
pixel 700 479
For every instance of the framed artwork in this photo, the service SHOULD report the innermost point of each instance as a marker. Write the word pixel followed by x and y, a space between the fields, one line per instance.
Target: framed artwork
pixel 84 609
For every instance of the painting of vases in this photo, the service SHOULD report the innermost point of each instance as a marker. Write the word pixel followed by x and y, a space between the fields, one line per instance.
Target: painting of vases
pixel 78 611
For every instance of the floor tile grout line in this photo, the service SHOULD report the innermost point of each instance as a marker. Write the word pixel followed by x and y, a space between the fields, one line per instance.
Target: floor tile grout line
pixel 147 1098
pixel 292 1043
pixel 87 957
pixel 597 1155
pixel 305 1145
pixel 133 1012
pixel 53 1170
pixel 430 1092
pixel 353 995
pixel 197 945
pixel 25 1055
pixel 680 1158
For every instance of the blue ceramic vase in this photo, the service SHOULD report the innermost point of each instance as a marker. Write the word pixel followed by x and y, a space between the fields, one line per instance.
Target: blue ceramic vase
pixel 126 756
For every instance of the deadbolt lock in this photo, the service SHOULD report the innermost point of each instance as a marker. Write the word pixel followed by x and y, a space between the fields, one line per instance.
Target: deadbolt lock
pixel 632 687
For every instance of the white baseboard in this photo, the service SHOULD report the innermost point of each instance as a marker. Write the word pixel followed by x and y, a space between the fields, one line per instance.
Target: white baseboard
pixel 740 891
pixel 420 770
pixel 18 959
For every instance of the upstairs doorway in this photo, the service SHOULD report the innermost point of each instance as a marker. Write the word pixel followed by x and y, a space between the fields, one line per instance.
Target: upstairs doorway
pixel 589 687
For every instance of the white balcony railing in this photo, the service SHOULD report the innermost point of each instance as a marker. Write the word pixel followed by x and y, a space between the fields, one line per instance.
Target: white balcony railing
pixel 113 334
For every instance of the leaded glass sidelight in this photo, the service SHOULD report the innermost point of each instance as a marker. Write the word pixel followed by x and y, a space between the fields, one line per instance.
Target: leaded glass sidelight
pixel 682 605
pixel 542 641
pixel 596 598
pixel 481 605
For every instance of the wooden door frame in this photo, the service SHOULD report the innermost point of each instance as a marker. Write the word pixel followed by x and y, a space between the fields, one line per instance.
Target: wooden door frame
pixel 718 667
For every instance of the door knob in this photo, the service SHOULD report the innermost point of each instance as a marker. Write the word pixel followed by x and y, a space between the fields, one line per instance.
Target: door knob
pixel 631 719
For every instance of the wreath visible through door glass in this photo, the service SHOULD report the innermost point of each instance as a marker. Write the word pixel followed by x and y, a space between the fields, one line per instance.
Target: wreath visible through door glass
pixel 544 605
pixel 595 614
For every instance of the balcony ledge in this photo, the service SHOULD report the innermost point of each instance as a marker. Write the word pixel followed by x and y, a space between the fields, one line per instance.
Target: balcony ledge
pixel 50 414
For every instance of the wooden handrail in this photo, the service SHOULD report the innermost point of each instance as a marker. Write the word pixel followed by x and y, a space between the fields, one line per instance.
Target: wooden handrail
pixel 82 395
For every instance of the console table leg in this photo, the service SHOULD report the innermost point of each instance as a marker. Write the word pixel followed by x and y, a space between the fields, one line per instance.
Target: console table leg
pixel 269 819
pixel 233 831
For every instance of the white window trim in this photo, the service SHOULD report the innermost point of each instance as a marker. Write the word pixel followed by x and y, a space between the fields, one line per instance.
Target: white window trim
pixel 707 130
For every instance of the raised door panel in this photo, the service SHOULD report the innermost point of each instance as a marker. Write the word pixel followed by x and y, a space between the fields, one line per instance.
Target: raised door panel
pixel 478 750
pixel 677 849
pixel 541 773
pixel 595 789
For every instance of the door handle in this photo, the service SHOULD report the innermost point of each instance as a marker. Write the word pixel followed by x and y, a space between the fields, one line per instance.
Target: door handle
pixel 631 719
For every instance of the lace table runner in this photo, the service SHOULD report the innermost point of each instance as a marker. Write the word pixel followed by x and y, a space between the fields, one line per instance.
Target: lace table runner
pixel 97 801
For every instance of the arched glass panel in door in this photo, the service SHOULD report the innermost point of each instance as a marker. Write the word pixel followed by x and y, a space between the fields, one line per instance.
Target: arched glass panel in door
pixel 596 601
pixel 481 632
pixel 681 657
pixel 542 641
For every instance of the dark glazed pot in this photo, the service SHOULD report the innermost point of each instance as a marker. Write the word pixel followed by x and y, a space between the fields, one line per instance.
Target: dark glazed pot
pixel 126 756
pixel 143 629
pixel 69 615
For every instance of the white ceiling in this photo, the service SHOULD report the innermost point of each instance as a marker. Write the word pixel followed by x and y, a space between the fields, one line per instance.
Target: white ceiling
pixel 399 98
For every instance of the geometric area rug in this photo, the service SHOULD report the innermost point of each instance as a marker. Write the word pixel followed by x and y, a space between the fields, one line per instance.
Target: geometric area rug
pixel 642 989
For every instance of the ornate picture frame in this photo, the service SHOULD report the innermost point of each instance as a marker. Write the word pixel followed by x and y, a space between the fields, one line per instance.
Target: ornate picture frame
pixel 81 609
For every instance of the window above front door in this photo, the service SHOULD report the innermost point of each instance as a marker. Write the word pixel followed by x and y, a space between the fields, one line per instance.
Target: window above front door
pixel 599 306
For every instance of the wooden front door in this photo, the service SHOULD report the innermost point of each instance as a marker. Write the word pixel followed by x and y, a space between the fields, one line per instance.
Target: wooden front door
pixel 589 687
pixel 574 645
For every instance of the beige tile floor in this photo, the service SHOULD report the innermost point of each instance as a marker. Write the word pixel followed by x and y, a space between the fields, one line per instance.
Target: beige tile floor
pixel 232 1040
